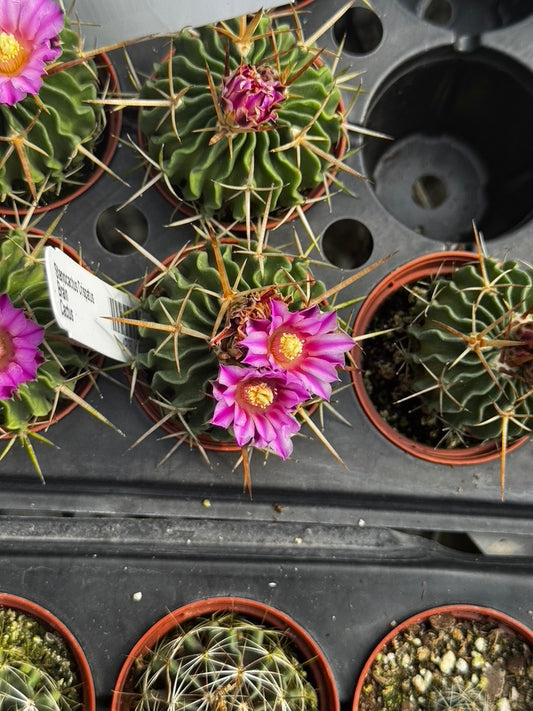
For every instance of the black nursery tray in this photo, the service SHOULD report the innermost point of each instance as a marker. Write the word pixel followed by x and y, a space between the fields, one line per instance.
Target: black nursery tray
pixel 468 85
pixel 109 580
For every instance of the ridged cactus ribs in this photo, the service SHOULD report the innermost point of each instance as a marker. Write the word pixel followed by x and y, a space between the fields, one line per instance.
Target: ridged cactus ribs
pixel 54 138
pixel 23 279
pixel 473 350
pixel 224 662
pixel 180 372
pixel 229 143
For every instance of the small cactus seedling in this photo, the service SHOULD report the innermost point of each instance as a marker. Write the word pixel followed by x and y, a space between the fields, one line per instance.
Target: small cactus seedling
pixel 472 351
pixel 244 118
pixel 36 669
pixel 225 662
pixel 458 696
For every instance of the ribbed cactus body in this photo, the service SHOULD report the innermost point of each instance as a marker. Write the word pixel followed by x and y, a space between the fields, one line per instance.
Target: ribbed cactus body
pixel 225 662
pixel 211 176
pixel 193 290
pixel 36 668
pixel 22 278
pixel 480 380
pixel 61 126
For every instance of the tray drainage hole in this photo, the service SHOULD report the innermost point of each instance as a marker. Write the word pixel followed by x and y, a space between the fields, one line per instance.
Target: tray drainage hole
pixel 438 12
pixel 428 192
pixel 129 220
pixel 361 30
pixel 347 243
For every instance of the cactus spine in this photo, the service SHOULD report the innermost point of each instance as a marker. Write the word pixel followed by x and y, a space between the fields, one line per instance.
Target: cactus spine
pixel 233 157
pixel 226 662
pixel 36 669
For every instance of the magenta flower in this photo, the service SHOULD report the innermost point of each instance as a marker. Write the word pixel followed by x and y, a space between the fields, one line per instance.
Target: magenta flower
pixel 258 406
pixel 250 96
pixel 29 32
pixel 305 343
pixel 19 348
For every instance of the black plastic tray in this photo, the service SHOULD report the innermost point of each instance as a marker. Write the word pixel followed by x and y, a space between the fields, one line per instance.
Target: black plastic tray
pixel 109 580
pixel 93 471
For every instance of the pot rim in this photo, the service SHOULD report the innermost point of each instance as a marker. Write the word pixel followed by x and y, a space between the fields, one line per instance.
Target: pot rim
pixel 319 670
pixel 459 610
pixel 48 619
pixel 443 262
pixel 111 133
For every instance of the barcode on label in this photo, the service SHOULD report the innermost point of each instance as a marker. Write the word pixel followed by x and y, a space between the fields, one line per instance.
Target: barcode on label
pixel 118 309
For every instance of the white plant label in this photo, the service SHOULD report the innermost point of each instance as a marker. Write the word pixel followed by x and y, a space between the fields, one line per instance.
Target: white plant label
pixel 84 307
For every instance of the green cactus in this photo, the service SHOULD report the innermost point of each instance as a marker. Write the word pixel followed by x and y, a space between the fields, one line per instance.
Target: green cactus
pixel 45 144
pixel 473 350
pixel 226 662
pixel 34 402
pixel 231 156
pixel 36 669
pixel 179 369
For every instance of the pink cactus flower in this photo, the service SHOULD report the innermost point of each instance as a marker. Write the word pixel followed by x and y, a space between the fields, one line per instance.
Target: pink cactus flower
pixel 306 344
pixel 19 348
pixel 29 39
pixel 258 406
pixel 250 95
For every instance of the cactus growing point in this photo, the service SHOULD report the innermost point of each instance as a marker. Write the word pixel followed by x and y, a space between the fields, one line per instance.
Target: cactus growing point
pixel 244 117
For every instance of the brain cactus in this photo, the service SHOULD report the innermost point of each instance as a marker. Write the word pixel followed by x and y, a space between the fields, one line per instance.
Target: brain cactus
pixel 224 662
pixel 45 140
pixel 29 401
pixel 36 668
pixel 208 317
pixel 473 350
pixel 252 119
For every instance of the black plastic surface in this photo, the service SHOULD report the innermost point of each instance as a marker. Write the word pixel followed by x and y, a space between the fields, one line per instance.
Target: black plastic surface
pixel 110 580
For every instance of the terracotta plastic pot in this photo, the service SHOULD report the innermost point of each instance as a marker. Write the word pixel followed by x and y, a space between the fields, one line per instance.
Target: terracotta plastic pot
pixel 105 150
pixel 51 622
pixel 442 263
pixel 459 611
pixel 84 384
pixel 319 673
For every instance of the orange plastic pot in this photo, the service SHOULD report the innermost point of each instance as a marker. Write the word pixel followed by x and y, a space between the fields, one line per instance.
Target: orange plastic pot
pixel 48 620
pixel 308 651
pixel 105 152
pixel 442 263
pixel 459 611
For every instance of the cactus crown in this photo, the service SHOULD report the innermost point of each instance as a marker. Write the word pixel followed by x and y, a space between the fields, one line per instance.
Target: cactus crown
pixel 224 662
pixel 36 668
pixel 243 118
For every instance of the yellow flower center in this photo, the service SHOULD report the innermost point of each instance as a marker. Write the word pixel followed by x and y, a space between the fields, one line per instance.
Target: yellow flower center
pixel 12 54
pixel 259 395
pixel 290 346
